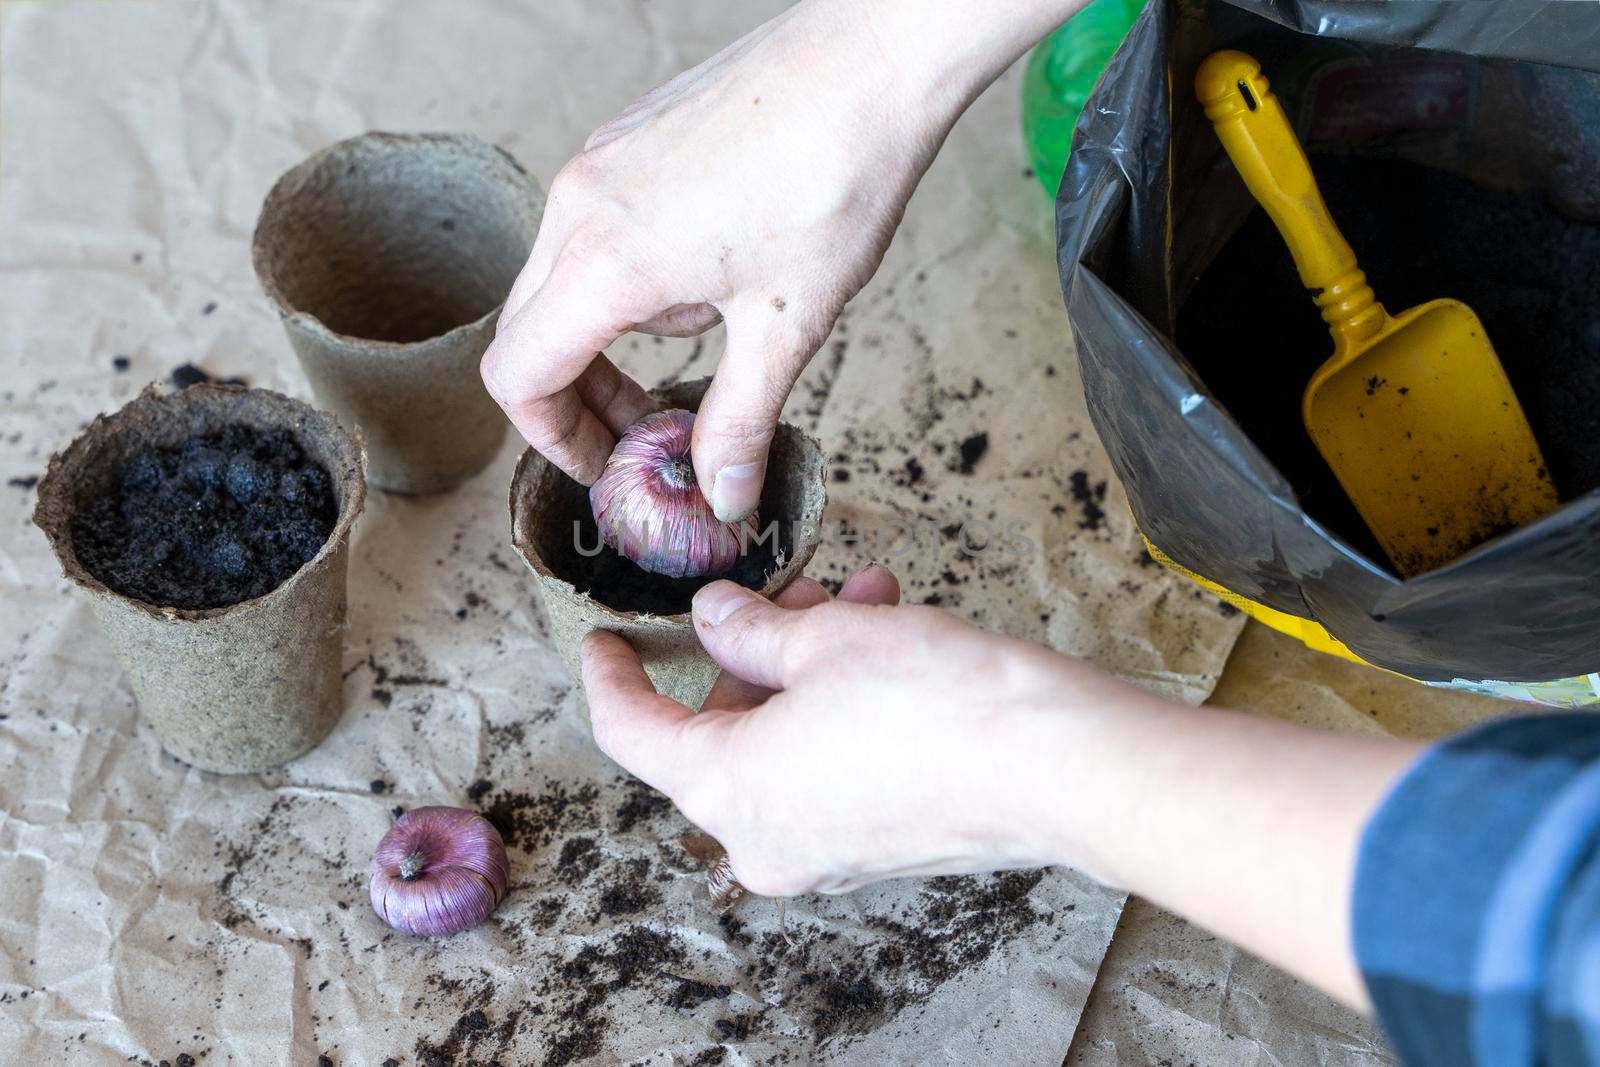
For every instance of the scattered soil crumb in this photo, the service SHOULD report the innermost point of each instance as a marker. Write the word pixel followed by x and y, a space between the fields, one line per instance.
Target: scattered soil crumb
pixel 532 821
pixel 642 804
pixel 579 858
pixel 630 892
pixel 1089 498
pixel 187 374
pixel 972 450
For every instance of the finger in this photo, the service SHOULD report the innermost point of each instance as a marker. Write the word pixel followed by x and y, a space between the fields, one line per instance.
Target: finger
pixel 633 724
pixel 531 277
pixel 766 353
pixel 634 113
pixel 533 362
pixel 873 584
pixel 547 244
pixel 800 594
pixel 762 643
pixel 681 320
pixel 732 693
pixel 563 429
pixel 616 399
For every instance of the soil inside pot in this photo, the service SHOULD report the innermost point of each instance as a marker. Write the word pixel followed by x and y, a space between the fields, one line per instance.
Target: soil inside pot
pixel 567 534
pixel 221 518
pixel 1532 275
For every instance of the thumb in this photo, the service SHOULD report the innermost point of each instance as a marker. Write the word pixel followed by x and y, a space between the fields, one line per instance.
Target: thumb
pixel 632 723
pixel 734 426
pixel 762 643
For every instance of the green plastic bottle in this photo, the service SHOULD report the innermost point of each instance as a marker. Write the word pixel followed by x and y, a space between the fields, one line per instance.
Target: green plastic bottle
pixel 1061 73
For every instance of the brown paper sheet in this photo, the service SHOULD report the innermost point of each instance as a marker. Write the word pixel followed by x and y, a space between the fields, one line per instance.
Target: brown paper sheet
pixel 150 912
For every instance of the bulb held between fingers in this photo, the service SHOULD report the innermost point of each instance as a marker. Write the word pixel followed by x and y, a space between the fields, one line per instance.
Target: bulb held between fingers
pixel 648 506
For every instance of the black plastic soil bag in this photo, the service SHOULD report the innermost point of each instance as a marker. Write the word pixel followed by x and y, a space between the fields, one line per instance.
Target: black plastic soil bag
pixel 1428 114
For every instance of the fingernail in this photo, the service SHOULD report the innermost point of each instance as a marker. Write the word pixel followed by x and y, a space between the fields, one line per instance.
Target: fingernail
pixel 715 602
pixel 736 491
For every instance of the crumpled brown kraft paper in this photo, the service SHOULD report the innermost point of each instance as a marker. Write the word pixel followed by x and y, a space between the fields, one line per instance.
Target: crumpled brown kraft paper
pixel 149 911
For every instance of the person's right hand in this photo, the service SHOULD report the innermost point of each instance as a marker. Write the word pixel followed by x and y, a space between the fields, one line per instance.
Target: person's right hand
pixel 762 188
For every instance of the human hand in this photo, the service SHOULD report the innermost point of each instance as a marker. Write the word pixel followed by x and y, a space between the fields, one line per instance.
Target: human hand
pixel 853 740
pixel 762 188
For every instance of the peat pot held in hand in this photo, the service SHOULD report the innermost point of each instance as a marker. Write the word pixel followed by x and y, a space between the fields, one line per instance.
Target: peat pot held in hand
pixel 553 528
pixel 388 257
pixel 210 529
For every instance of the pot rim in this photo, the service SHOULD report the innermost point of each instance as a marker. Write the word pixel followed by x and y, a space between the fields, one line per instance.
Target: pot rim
pixel 268 280
pixel 53 512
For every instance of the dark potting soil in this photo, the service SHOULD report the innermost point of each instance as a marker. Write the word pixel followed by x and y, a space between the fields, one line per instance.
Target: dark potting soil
pixel 630 890
pixel 187 374
pixel 620 583
pixel 224 517
pixel 1531 274
pixel 972 450
pixel 532 820
pixel 641 805
pixel 842 988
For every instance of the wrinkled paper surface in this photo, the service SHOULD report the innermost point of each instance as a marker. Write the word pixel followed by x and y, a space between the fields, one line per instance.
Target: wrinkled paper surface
pixel 150 911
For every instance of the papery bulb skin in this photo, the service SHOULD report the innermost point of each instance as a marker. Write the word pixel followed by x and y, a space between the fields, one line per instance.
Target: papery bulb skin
pixel 649 506
pixel 438 871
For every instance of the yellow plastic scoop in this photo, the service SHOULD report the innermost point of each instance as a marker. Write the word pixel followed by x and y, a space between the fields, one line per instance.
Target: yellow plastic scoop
pixel 1414 412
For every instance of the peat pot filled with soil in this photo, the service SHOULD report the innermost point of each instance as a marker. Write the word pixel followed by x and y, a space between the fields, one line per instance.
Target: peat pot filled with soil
pixel 210 529
pixel 588 586
pixel 388 257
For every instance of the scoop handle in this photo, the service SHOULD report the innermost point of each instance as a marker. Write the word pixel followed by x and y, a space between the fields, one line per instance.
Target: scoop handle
pixel 1256 132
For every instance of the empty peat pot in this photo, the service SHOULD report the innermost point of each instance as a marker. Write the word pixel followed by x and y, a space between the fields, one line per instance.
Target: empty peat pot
pixel 388 257
pixel 582 589
pixel 250 685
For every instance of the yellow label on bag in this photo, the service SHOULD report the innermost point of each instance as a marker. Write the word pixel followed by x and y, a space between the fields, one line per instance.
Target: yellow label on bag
pixel 1580 692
